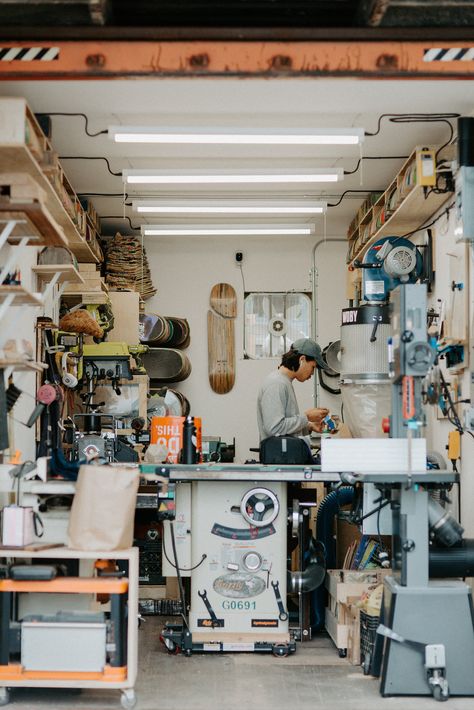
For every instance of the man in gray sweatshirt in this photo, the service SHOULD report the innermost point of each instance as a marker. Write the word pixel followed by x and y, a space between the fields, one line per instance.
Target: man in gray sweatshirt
pixel 277 409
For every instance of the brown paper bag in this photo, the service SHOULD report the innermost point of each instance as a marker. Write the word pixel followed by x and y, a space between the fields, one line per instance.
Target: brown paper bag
pixel 103 509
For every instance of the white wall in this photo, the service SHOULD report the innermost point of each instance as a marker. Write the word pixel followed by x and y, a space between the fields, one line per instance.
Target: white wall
pixel 184 271
pixel 453 263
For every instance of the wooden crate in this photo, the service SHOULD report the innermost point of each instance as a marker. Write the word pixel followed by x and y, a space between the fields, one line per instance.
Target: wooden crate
pixel 344 588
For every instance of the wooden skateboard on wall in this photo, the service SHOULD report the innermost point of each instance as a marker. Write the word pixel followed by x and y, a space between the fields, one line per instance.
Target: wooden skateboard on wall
pixel 221 338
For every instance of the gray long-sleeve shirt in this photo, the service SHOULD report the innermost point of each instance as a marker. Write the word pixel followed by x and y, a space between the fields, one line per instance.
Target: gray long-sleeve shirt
pixel 277 408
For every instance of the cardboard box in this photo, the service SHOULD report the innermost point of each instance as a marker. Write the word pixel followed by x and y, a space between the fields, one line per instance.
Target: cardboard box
pixel 345 587
pixel 168 432
pixel 125 307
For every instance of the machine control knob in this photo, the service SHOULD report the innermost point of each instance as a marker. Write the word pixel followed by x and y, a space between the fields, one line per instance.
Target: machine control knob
pixel 408 545
pixel 252 561
pixel 407 336
pixel 259 507
pixel 386 425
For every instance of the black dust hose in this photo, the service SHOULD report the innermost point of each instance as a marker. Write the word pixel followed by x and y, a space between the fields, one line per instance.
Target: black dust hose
pixel 457 561
pixel 328 508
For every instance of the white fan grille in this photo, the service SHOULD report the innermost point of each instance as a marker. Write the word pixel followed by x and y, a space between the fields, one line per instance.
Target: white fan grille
pixel 273 321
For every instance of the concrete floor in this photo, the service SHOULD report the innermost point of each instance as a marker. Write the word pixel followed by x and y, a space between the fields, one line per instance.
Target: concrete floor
pixel 314 677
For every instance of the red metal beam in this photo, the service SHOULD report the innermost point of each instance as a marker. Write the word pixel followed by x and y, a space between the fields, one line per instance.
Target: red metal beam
pixel 118 59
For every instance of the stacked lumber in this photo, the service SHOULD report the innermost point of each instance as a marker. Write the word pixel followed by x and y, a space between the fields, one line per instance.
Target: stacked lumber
pixel 127 266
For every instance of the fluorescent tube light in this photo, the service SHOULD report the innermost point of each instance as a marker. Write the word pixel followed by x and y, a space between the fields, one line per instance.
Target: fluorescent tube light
pixel 319 136
pixel 155 177
pixel 170 230
pixel 228 207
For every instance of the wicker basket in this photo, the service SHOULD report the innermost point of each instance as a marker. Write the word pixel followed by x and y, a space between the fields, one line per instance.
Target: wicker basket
pixel 368 633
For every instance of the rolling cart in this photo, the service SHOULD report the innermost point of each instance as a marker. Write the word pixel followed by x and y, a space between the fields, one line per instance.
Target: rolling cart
pixel 71 650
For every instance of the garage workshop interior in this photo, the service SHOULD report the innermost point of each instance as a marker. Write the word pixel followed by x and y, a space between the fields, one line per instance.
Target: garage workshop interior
pixel 164 241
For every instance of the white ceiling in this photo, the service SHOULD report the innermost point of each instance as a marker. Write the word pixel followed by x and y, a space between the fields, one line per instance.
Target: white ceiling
pixel 234 103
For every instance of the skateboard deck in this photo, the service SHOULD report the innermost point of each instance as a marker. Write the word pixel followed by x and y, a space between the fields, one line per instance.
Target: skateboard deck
pixel 221 339
pixel 223 300
pixel 166 365
pixel 158 330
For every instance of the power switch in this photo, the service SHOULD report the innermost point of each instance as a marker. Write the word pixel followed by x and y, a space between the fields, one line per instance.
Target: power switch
pixel 454 445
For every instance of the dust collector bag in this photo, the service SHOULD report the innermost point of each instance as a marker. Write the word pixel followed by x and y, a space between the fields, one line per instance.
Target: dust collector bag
pixel 103 508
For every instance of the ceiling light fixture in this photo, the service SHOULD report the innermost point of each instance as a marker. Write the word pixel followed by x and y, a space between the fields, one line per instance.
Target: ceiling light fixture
pixel 319 136
pixel 239 207
pixel 156 177
pixel 180 230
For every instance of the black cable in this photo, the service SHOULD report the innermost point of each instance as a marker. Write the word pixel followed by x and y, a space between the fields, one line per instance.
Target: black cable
pixel 366 192
pixel 91 157
pixel 120 216
pixel 414 118
pixel 91 135
pixel 444 213
pixel 375 157
pixel 455 421
pixel 180 569
pixel 245 354
pixel 378 530
pixel 377 510
pixel 325 386
pixel 178 573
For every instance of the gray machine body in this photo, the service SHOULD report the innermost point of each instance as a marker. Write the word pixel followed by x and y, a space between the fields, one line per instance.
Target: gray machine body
pixel 65 642
pixel 465 204
pixel 363 360
pixel 416 608
pixel 440 612
pixel 411 352
pixel 241 564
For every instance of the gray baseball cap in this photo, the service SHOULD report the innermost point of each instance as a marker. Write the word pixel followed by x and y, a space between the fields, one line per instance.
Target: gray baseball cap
pixel 306 346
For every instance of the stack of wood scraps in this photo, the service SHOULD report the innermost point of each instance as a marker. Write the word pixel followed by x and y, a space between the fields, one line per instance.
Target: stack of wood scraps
pixel 127 266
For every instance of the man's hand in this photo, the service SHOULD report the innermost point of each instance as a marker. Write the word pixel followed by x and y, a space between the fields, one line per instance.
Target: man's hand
pixel 315 418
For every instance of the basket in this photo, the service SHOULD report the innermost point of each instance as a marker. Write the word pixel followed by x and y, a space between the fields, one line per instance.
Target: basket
pixel 368 633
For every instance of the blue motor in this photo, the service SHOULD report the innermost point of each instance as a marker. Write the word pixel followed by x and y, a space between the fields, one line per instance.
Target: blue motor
pixel 388 263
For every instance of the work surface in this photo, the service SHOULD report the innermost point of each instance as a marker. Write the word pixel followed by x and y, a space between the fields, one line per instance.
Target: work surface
pixel 314 677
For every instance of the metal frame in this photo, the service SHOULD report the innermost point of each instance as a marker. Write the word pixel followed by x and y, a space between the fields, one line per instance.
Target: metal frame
pixel 108 59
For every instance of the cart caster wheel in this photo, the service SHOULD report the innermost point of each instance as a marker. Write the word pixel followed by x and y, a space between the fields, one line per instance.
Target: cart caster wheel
pixel 366 664
pixel 4 696
pixel 439 695
pixel 172 647
pixel 280 651
pixel 128 699
pixel 342 652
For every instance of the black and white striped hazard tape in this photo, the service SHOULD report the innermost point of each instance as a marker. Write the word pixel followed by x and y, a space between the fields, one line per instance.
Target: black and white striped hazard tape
pixel 29 54
pixel 453 54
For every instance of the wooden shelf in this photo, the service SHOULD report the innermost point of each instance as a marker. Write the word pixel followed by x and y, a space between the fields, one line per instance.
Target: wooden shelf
pixel 22 296
pixel 38 223
pixel 22 365
pixel 412 213
pixel 416 204
pixel 18 157
pixel 67 273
